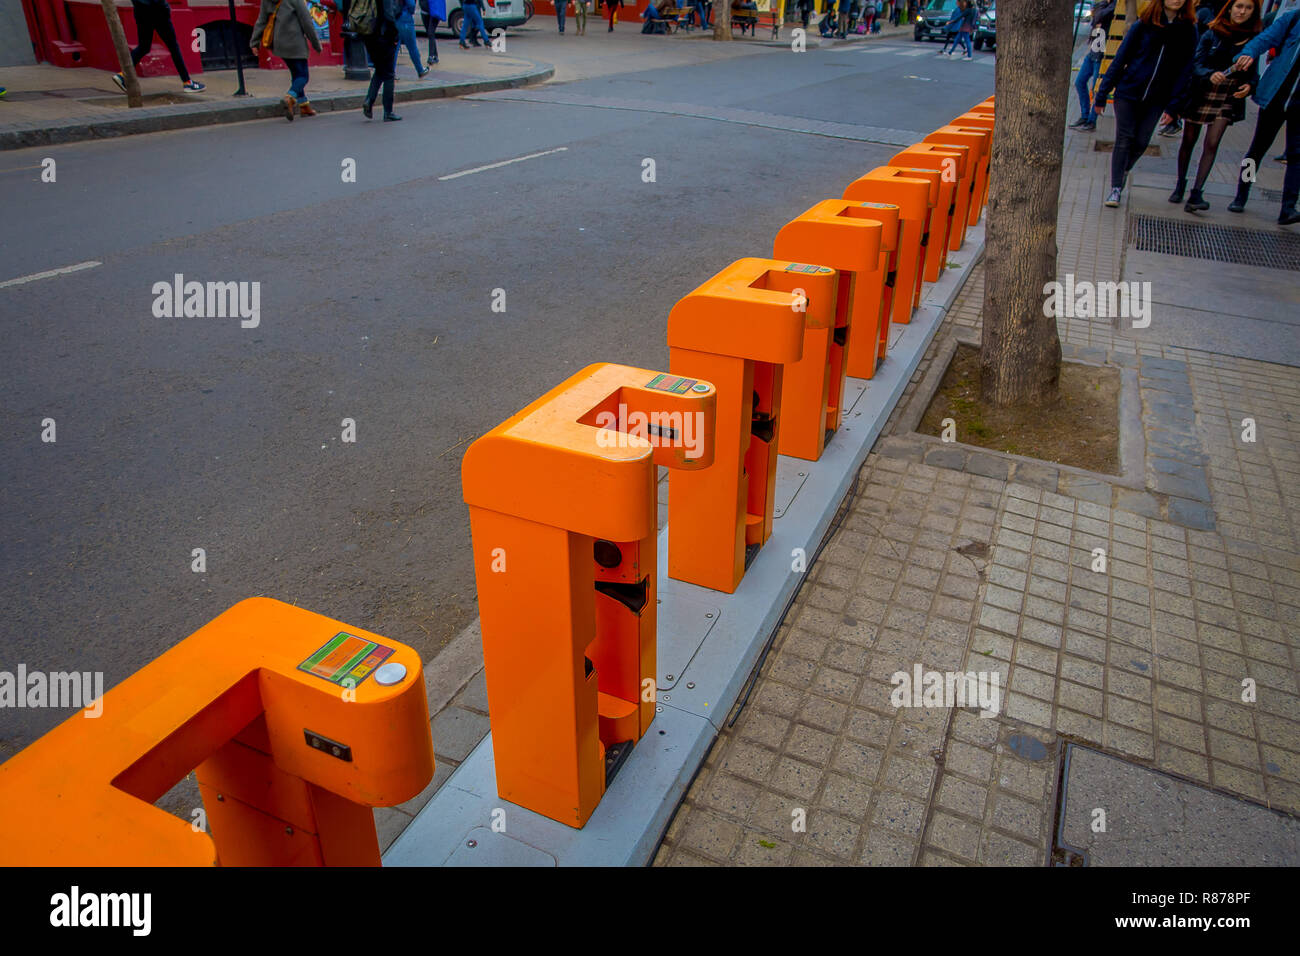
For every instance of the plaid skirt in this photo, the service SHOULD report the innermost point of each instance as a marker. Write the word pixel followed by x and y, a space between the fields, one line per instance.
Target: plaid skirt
pixel 1213 103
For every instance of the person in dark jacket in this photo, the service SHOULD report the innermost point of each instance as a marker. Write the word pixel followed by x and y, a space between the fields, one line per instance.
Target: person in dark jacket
pixel 1278 97
pixel 381 47
pixel 1216 94
pixel 155 16
pixel 1090 67
pixel 290 36
pixel 1147 73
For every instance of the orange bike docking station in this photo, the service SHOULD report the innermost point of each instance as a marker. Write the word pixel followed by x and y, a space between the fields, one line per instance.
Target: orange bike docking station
pixel 914 195
pixel 975 120
pixel 562 505
pixel 948 165
pixel 979 141
pixel 738 330
pixel 296 726
pixel 846 237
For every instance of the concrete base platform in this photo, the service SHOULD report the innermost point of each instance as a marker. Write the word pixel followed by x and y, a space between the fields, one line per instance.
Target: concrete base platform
pixel 708 657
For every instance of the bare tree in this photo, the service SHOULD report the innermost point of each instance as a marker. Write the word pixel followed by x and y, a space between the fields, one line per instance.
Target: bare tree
pixel 123 54
pixel 1020 351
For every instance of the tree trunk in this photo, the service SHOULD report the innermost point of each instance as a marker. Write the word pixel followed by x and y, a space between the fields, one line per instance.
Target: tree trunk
pixel 1020 351
pixel 722 19
pixel 123 54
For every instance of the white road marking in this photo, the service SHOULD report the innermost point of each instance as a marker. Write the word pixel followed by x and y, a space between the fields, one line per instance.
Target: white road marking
pixel 913 52
pixel 504 162
pixel 49 275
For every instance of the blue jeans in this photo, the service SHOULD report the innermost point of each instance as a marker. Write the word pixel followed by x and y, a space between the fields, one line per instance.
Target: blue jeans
pixel 406 37
pixel 297 79
pixel 1089 70
pixel 559 12
pixel 964 39
pixel 473 21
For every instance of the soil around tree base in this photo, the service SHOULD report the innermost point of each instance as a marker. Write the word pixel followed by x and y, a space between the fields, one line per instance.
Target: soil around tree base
pixel 1080 429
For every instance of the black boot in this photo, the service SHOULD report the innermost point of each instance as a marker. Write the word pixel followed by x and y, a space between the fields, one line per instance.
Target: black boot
pixel 1177 194
pixel 1238 204
pixel 1288 216
pixel 1195 202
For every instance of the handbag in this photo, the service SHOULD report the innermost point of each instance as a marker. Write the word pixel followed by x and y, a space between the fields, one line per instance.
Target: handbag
pixel 268 31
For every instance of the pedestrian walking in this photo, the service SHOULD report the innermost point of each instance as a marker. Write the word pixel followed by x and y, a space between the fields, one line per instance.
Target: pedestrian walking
pixel 432 13
pixel 285 28
pixel 613 6
pixel 1090 67
pixel 375 21
pixel 950 29
pixel 155 16
pixel 580 16
pixel 966 27
pixel 1146 75
pixel 472 20
pixel 805 12
pixel 560 6
pixel 406 36
pixel 1278 97
pixel 1216 95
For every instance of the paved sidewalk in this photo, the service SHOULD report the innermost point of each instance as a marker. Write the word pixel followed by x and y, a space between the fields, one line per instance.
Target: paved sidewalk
pixel 961 559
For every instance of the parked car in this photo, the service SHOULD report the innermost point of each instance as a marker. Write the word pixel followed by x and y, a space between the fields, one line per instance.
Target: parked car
pixel 1083 12
pixel 932 20
pixel 986 27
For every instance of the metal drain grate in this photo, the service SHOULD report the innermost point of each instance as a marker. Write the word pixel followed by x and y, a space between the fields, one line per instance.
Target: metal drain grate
pixel 1243 247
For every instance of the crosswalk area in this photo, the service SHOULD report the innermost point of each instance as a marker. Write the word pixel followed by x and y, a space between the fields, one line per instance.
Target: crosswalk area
pixel 921 49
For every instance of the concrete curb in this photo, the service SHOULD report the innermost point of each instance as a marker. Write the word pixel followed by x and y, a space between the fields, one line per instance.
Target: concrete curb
pixel 188 116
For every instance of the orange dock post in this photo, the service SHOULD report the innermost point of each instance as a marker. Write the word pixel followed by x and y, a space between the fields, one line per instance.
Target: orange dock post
pixel 562 512
pixel 980 142
pixel 914 195
pixel 957 162
pixel 738 330
pixel 839 234
pixel 940 162
pixel 296 725
pixel 977 119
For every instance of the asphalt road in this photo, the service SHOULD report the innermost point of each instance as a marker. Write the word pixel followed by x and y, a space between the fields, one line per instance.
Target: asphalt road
pixel 376 305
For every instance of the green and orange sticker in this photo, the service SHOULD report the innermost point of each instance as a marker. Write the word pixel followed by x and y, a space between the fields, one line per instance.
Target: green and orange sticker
pixel 346 657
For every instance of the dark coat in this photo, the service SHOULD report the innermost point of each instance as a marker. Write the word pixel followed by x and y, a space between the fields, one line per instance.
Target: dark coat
pixel 1151 63
pixel 1215 53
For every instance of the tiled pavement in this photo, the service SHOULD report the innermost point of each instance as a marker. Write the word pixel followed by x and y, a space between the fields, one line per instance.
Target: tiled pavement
pixel 987 569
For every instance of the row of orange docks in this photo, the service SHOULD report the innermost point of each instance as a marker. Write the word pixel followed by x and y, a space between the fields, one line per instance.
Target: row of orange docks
pixel 297 725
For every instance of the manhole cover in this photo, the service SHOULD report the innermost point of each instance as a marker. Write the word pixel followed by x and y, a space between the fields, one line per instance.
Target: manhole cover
pixel 1108 146
pixel 1232 244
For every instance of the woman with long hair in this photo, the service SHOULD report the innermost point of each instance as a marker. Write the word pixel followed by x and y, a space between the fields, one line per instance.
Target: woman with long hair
pixel 1146 75
pixel 1216 97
